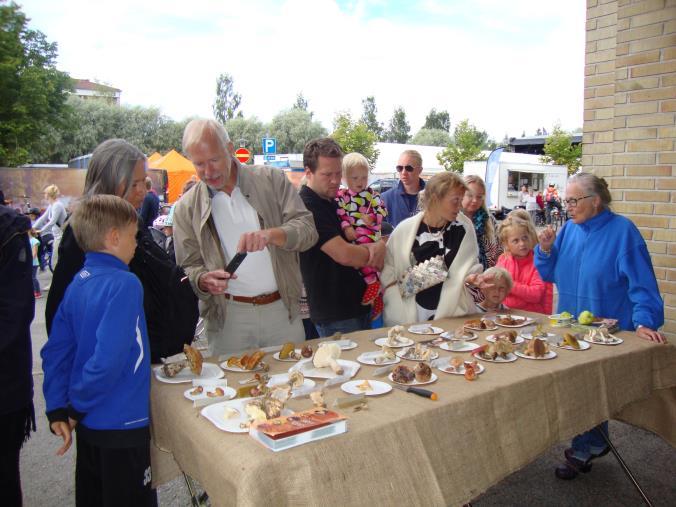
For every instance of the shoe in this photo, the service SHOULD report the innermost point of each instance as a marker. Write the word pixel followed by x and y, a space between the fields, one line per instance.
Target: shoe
pixel 573 466
pixel 37 295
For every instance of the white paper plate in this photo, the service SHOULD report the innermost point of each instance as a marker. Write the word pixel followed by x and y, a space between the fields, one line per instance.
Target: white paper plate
pixel 583 345
pixel 236 369
pixel 305 366
pixel 216 415
pixel 433 355
pixel 468 336
pixel 549 355
pixel 529 336
pixel 616 342
pixel 229 393
pixel 466 347
pixel 377 387
pixel 524 320
pixel 471 328
pixel 368 359
pixel 432 379
pixel 283 378
pixel 447 368
pixel 405 342
pixel 288 359
pixel 425 329
pixel 511 357
pixel 343 344
pixel 491 338
pixel 209 370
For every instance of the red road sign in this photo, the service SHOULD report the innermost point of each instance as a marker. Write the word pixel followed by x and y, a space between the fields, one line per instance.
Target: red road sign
pixel 243 155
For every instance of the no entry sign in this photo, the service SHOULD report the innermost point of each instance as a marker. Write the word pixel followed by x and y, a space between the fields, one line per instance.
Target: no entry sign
pixel 243 155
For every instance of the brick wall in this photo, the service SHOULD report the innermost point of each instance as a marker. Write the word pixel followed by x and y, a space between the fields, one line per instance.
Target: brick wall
pixel 629 134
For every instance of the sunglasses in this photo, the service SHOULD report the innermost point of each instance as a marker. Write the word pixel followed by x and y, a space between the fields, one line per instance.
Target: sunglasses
pixel 408 168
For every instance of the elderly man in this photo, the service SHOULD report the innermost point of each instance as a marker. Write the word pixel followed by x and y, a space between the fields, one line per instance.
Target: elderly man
pixel 334 287
pixel 236 208
pixel 402 200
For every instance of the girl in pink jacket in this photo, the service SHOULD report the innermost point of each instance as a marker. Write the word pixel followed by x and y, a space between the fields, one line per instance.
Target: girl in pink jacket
pixel 529 292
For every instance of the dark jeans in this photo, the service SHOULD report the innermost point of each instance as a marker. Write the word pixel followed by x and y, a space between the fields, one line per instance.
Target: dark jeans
pixel 36 284
pixel 13 431
pixel 590 442
pixel 344 326
pixel 310 330
pixel 548 210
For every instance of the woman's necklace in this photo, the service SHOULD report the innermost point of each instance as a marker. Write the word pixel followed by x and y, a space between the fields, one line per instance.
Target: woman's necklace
pixel 438 235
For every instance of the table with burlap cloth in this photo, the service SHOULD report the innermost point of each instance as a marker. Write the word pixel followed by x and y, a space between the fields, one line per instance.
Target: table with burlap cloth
pixel 409 450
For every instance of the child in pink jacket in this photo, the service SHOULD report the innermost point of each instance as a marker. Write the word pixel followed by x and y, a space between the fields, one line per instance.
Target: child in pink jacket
pixel 529 292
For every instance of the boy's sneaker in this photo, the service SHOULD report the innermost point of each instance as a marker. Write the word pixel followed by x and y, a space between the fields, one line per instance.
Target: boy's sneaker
pixel 37 295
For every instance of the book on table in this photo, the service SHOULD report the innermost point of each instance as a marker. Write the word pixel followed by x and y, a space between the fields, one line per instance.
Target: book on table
pixel 299 428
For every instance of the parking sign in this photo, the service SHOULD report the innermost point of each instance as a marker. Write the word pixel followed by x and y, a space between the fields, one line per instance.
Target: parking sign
pixel 269 145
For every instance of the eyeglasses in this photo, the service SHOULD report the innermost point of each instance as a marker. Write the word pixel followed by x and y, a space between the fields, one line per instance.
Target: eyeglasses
pixel 573 202
pixel 408 168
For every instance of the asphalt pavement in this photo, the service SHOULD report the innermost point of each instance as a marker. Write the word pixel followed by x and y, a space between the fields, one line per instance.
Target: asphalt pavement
pixel 48 480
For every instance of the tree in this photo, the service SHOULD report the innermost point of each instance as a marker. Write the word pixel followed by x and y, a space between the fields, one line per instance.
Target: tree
pixel 431 137
pixel 467 144
pixel 293 128
pixel 301 102
pixel 355 136
pixel 249 131
pixel 438 120
pixel 32 91
pixel 369 117
pixel 399 127
pixel 559 149
pixel 227 101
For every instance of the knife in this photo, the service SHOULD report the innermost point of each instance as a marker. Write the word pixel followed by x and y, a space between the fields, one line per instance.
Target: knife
pixel 417 390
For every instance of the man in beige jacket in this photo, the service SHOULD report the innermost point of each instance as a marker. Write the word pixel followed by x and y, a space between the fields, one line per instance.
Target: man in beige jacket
pixel 236 208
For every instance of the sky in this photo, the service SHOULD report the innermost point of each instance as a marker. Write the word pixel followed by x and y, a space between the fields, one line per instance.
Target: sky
pixel 507 66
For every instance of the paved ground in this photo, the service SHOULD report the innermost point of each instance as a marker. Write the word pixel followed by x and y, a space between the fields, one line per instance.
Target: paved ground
pixel 48 479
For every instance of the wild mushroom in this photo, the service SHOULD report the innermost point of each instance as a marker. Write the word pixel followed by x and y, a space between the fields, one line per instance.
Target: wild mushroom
pixel 193 359
pixel 326 355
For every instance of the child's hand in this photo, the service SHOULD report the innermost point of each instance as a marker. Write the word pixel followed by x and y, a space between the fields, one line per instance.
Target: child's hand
pixel 64 430
pixel 350 234
pixel 367 219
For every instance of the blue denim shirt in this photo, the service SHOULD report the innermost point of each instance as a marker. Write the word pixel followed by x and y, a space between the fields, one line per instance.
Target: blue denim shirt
pixel 399 204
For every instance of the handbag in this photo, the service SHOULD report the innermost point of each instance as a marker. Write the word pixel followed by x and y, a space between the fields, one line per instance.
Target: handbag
pixel 422 276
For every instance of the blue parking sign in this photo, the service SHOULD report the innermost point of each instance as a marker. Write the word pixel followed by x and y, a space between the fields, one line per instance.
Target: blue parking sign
pixel 269 145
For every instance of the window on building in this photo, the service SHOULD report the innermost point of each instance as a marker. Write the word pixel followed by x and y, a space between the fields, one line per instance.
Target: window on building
pixel 516 180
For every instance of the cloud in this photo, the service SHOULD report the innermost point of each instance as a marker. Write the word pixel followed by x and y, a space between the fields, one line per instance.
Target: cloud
pixel 507 66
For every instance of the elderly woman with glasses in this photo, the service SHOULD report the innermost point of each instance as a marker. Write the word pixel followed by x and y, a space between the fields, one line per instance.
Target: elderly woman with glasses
pixel 600 263
pixel 474 208
pixel 440 230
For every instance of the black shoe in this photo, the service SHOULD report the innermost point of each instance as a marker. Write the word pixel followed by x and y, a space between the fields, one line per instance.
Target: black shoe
pixel 572 466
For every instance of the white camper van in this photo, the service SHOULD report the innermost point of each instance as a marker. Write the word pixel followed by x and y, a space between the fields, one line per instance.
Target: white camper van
pixel 514 171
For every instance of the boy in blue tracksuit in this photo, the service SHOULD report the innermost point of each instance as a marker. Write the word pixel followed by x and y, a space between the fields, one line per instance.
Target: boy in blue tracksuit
pixel 97 361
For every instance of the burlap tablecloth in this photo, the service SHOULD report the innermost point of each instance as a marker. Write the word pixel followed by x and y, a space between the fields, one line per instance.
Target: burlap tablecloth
pixel 409 450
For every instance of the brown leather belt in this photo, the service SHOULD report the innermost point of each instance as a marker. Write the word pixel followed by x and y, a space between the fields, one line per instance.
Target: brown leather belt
pixel 263 299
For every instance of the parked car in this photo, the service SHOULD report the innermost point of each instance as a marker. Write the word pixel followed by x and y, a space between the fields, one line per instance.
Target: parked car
pixel 383 184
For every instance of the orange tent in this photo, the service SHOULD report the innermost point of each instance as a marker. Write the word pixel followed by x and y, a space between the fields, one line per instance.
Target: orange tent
pixel 154 157
pixel 179 170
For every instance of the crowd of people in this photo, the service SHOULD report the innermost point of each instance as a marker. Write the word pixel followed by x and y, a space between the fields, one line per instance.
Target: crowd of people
pixel 131 281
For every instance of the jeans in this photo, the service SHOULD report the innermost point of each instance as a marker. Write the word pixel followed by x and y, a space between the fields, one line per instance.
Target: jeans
pixel 590 442
pixel 344 326
pixel 36 284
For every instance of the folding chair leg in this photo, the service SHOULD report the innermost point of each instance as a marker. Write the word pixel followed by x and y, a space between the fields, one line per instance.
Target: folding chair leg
pixel 625 468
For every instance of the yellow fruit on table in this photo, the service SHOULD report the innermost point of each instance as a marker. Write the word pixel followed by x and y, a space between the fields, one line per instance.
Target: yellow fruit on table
pixel 586 318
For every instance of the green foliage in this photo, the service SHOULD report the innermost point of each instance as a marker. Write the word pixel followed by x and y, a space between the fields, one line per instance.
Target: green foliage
pixel 355 136
pixel 293 129
pixel 399 129
pixel 467 145
pixel 438 120
pixel 249 130
pixel 559 149
pixel 227 101
pixel 32 91
pixel 431 137
pixel 301 102
pixel 369 117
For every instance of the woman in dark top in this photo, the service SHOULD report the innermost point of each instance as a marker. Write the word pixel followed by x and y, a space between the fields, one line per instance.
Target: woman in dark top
pixel 119 168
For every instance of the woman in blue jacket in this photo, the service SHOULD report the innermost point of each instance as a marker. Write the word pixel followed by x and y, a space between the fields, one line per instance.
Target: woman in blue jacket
pixel 599 262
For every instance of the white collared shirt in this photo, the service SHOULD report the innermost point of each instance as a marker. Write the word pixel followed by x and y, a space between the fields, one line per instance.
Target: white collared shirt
pixel 233 216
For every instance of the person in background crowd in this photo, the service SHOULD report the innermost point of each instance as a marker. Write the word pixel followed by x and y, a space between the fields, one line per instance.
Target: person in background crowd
pixel 552 200
pixel 35 247
pixel 236 209
pixel 523 196
pixel 162 233
pixel 614 279
pixel 17 308
pixel 150 208
pixel 495 294
pixel 118 168
pixel 539 198
pixel 532 206
pixel 51 222
pixel 439 230
pixel 334 287
pixel 518 236
pixel 402 201
pixel 474 208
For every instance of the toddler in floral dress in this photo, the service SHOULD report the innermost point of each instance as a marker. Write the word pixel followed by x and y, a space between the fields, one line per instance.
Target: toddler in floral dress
pixel 361 213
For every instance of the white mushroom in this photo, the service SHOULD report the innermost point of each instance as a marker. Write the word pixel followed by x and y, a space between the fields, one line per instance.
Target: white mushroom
pixel 326 355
